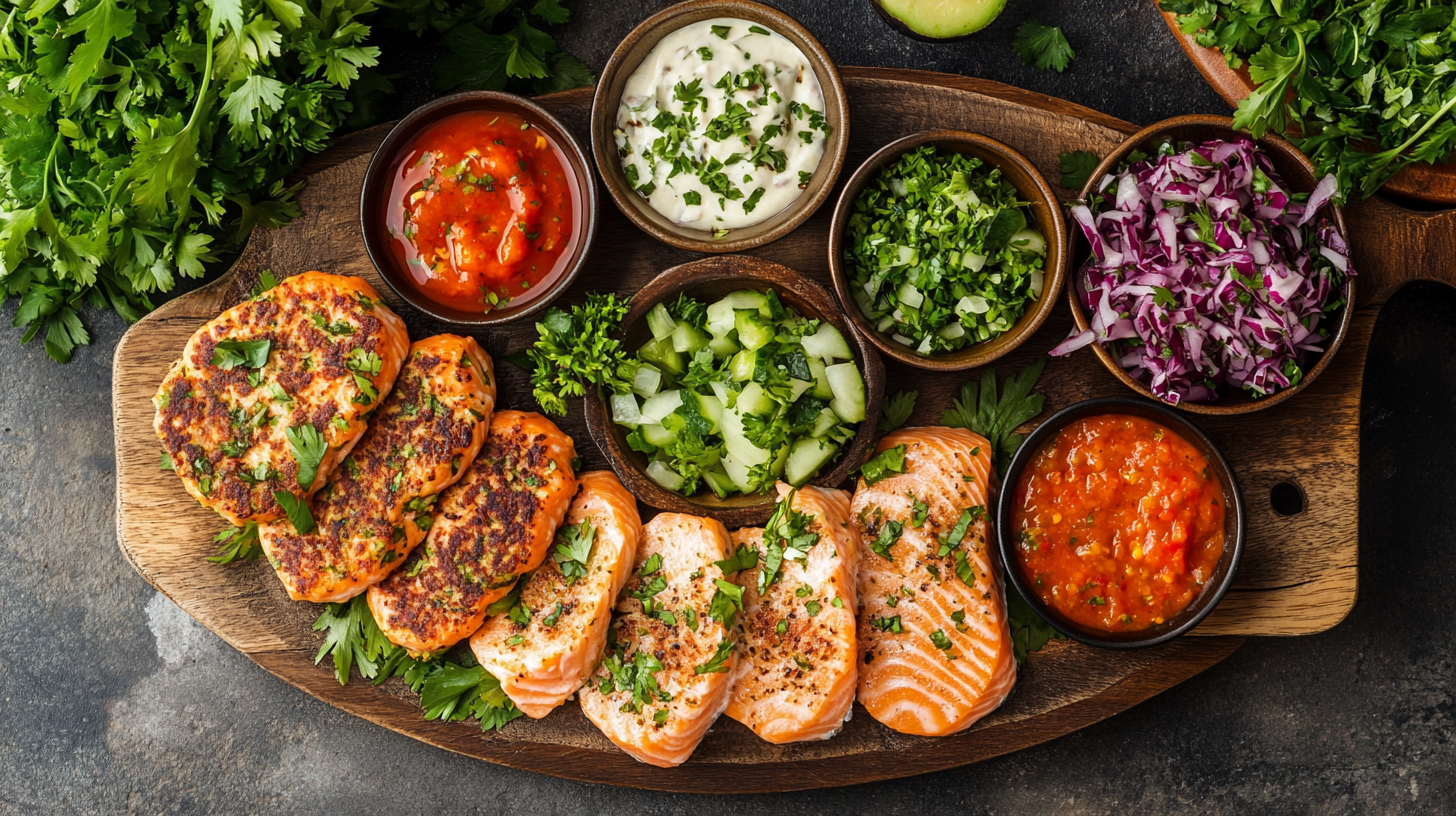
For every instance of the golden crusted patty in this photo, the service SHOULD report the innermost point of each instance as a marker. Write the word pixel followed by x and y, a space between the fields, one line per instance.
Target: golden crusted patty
pixel 333 349
pixel 377 506
pixel 491 527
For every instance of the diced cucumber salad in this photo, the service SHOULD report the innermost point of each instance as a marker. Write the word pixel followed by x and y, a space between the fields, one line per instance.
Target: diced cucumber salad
pixel 735 395
pixel 939 252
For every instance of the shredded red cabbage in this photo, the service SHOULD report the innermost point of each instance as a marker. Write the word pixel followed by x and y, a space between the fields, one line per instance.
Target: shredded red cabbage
pixel 1205 270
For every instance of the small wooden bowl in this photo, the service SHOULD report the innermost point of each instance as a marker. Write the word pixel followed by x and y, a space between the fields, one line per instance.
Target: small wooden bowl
pixel 1298 173
pixel 635 48
pixel 1030 186
pixel 379 176
pixel 710 279
pixel 1235 523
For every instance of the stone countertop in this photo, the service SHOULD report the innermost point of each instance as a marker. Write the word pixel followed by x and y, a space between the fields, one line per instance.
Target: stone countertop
pixel 113 700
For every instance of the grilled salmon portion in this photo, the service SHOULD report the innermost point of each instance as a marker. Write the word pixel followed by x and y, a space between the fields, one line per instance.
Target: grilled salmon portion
pixel 566 603
pixel 797 654
pixel 377 506
pixel 490 528
pixel 666 675
pixel 311 358
pixel 934 640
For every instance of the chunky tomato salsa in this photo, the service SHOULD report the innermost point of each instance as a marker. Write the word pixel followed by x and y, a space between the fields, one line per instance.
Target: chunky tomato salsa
pixel 1119 523
pixel 481 211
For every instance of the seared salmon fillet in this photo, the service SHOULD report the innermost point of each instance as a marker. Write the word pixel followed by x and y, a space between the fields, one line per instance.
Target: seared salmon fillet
pixel 298 366
pixel 567 602
pixel 934 639
pixel 797 654
pixel 378 505
pixel 666 675
pixel 490 528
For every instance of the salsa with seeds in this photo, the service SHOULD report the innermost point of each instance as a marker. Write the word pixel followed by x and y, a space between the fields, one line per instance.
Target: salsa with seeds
pixel 1119 523
pixel 481 212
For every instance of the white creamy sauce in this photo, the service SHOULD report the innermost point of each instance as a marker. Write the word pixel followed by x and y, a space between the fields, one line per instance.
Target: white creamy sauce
pixel 722 125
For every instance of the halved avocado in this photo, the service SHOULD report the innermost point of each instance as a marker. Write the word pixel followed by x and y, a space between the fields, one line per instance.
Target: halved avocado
pixel 939 20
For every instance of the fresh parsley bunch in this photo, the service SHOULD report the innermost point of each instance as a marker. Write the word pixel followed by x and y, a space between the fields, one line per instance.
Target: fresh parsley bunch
pixel 1364 88
pixel 140 137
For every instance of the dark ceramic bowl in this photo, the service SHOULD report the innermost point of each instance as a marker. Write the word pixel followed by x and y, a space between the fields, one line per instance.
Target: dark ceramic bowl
pixel 708 280
pixel 1235 522
pixel 635 48
pixel 1298 173
pixel 1046 216
pixel 379 176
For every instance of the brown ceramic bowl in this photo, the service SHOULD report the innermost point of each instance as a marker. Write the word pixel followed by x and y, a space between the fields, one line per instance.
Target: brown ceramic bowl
pixel 708 280
pixel 1235 523
pixel 373 199
pixel 1046 215
pixel 635 48
pixel 1298 173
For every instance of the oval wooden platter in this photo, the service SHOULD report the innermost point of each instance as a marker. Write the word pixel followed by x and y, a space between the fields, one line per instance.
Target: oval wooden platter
pixel 1435 183
pixel 1299 571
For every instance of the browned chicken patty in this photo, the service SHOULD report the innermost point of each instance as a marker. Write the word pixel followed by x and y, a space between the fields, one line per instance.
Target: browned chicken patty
pixel 329 350
pixel 493 526
pixel 378 505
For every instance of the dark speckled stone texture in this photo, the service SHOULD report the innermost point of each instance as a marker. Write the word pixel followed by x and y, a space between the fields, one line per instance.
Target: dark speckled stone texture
pixel 112 700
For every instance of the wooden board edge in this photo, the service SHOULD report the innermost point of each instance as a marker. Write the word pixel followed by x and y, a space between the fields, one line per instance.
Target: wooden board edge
pixel 612 767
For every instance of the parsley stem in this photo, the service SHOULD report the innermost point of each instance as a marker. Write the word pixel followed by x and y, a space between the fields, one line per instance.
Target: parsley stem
pixel 1384 159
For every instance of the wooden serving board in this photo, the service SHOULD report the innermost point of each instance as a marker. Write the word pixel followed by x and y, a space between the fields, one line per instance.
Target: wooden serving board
pixel 1298 574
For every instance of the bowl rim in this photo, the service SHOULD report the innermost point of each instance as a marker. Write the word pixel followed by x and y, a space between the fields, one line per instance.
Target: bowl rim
pixel 757 273
pixel 406 129
pixel 1182 424
pixel 604 114
pixel 1076 243
pixel 1054 269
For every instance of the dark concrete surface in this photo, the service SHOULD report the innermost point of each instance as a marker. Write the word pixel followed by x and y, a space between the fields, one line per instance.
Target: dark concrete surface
pixel 112 700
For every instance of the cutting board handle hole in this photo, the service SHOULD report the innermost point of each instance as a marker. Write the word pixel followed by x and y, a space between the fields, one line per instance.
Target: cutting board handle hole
pixel 1288 499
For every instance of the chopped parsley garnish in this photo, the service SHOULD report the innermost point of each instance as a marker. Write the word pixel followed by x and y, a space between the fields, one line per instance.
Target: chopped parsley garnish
pixel 889 534
pixel 727 602
pixel 745 558
pixel 958 617
pixel 367 393
pixel 308 447
pixel 551 619
pixel 921 511
pixel 573 550
pixel 719 661
pixel 166 463
pixel 837 603
pixel 812 607
pixel 942 642
pixel 297 511
pixel 786 535
pixel 229 354
pixel 363 362
pixel 891 625
pixel 957 535
pixel 884 463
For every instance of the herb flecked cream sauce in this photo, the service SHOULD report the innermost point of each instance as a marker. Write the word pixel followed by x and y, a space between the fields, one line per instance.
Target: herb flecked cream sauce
pixel 722 125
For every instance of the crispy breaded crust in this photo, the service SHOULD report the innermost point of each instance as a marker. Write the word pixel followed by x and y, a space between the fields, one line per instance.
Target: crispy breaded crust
pixel 376 507
pixel 496 524
pixel 221 430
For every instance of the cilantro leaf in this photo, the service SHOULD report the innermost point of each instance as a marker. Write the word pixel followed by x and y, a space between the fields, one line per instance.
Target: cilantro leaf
pixel 980 410
pixel 1077 167
pixel 297 510
pixel 896 410
pixel 308 447
pixel 1043 46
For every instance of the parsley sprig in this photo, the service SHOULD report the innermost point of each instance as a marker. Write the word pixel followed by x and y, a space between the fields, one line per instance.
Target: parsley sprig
pixel 980 410
pixel 1044 46
pixel 896 410
pixel 576 350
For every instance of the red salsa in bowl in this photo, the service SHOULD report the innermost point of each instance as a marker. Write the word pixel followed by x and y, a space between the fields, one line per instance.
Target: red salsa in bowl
pixel 482 211
pixel 1118 523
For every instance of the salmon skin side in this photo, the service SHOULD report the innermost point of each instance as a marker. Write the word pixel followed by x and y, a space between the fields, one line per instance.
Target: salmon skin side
pixel 667 672
pixel 330 349
pixel 935 644
pixel 566 604
pixel 493 526
pixel 376 507
pixel 797 653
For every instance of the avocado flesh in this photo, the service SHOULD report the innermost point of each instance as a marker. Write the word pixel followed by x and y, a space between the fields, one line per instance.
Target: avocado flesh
pixel 942 19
